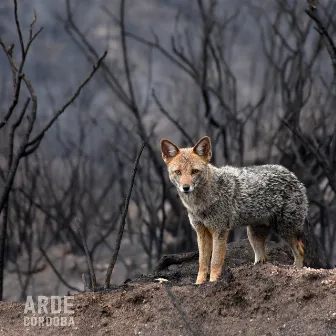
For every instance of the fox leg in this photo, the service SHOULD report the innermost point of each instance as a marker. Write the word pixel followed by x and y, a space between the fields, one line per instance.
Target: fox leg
pixel 289 233
pixel 257 236
pixel 204 241
pixel 298 251
pixel 297 248
pixel 219 240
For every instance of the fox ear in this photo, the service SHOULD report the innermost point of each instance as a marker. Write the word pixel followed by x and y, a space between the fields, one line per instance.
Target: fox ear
pixel 169 150
pixel 203 148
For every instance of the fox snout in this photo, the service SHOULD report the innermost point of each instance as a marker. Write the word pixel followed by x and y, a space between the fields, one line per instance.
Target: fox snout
pixel 187 188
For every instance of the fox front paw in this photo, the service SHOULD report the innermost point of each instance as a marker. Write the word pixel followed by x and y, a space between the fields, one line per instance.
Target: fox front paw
pixel 215 276
pixel 200 281
pixel 260 261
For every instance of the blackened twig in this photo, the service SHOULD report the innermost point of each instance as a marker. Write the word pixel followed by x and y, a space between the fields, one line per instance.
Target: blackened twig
pixel 170 118
pixel 38 137
pixel 123 220
pixel 88 258
pixel 85 283
pixel 59 275
pixel 329 43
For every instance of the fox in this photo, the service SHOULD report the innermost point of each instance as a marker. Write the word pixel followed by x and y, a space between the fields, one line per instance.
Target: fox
pixel 262 198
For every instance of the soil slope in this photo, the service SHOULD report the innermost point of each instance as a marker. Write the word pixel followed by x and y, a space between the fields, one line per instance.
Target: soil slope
pixel 270 299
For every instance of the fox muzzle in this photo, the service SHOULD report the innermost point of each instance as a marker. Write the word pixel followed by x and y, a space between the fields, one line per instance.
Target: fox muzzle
pixel 187 188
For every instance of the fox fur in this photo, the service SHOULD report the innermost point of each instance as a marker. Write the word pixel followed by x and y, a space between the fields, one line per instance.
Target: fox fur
pixel 263 198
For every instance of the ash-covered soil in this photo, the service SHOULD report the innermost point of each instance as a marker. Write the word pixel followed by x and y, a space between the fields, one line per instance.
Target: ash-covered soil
pixel 271 299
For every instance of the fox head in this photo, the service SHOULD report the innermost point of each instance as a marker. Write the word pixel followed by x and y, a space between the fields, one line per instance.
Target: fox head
pixel 187 167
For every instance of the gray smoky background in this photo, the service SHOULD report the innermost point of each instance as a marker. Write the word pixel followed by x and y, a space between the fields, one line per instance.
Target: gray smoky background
pixel 253 75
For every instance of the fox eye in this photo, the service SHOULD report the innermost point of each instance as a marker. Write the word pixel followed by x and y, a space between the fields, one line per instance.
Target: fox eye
pixel 194 171
pixel 177 172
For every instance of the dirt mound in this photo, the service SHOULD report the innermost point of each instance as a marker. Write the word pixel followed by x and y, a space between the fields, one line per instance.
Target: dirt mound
pixel 269 299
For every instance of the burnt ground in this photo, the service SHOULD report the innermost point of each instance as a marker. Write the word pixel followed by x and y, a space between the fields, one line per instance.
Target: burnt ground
pixel 271 299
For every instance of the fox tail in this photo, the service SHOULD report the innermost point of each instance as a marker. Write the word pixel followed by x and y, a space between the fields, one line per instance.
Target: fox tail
pixel 314 254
